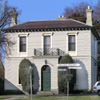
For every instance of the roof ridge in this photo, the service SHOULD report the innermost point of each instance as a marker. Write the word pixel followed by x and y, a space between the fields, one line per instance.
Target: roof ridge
pixel 38 21
pixel 82 23
pixel 48 20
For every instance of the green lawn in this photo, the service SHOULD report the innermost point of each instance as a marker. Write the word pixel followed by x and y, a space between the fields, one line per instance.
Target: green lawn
pixel 65 98
pixel 3 98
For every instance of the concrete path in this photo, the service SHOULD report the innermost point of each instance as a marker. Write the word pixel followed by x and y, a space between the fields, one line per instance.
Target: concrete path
pixel 13 97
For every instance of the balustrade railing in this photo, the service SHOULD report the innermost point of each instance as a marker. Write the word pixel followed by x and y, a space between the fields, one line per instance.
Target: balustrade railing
pixel 47 51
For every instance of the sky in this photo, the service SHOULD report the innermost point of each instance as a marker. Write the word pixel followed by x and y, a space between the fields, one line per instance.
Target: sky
pixel 43 9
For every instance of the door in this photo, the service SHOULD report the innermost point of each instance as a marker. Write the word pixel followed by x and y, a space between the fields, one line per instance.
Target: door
pixel 46 78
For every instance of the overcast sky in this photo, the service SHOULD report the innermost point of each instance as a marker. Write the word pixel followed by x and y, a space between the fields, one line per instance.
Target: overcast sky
pixel 43 9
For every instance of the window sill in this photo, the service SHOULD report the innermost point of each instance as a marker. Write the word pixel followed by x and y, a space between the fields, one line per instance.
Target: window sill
pixel 72 53
pixel 22 54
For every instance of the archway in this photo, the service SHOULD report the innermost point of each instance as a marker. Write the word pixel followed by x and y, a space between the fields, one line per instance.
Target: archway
pixel 45 78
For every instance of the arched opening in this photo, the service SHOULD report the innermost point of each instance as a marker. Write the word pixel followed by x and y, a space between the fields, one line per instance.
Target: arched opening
pixel 45 78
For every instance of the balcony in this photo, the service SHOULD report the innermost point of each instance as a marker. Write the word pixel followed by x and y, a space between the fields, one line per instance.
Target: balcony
pixel 47 52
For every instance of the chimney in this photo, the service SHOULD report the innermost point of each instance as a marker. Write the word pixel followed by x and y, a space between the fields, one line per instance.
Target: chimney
pixel 13 16
pixel 61 17
pixel 89 16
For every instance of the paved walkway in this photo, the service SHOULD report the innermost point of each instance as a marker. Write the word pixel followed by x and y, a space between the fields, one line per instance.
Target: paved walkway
pixel 13 97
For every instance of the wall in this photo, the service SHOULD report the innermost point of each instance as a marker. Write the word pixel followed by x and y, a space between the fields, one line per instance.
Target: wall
pixel 93 47
pixel 12 73
pixel 82 55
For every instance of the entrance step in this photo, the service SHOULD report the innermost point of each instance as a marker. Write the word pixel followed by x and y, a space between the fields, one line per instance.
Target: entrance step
pixel 45 93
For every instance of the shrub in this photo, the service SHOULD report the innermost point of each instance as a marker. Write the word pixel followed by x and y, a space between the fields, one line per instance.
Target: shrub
pixel 24 74
pixel 1 86
pixel 12 92
pixel 62 76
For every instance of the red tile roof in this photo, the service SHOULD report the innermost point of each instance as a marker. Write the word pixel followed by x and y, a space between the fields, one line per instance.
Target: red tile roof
pixel 68 23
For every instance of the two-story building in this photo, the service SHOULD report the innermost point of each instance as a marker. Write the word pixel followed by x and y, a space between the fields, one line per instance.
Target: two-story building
pixel 43 42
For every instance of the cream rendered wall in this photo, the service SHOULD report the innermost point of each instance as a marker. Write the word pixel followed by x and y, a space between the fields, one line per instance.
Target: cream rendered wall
pixel 83 76
pixel 93 46
pixel 59 40
pixel 12 72
pixel 94 71
pixel 93 59
pixel 52 63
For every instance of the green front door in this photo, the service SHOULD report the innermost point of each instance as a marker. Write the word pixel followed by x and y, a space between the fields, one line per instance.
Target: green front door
pixel 46 78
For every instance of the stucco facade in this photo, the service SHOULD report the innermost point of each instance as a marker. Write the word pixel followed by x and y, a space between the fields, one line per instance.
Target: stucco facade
pixel 85 54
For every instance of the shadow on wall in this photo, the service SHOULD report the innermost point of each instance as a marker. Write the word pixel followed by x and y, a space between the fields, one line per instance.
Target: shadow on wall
pixel 36 79
pixel 82 82
pixel 11 88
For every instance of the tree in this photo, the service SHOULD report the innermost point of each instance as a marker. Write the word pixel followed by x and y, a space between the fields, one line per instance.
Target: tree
pixel 97 11
pixel 96 16
pixel 24 74
pixel 5 11
pixel 62 76
pixel 77 12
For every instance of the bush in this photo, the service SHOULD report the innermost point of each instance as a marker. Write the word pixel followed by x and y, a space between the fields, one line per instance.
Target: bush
pixel 83 92
pixel 1 86
pixel 12 92
pixel 62 76
pixel 24 74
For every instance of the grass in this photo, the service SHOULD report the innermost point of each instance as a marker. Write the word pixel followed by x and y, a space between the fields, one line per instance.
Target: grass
pixel 3 98
pixel 65 98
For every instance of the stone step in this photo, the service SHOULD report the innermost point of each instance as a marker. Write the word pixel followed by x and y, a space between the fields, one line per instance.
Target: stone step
pixel 45 93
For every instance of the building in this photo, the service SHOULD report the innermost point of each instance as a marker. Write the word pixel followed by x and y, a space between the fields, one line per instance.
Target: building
pixel 43 42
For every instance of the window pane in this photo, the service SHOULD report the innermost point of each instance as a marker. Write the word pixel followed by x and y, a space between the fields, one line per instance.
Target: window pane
pixel 71 46
pixel 98 84
pixel 46 40
pixel 23 44
pixel 46 45
pixel 71 40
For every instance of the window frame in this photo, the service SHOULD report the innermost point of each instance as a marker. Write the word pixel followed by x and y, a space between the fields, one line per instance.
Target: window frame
pixel 46 34
pixel 22 54
pixel 72 53
pixel 70 43
pixel 20 50
pixel 46 46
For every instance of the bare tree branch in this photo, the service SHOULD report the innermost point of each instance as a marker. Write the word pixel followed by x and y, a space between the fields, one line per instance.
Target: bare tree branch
pixel 5 43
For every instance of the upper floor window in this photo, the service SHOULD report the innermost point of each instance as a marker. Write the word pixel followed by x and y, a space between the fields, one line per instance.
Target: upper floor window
pixel 71 43
pixel 22 44
pixel 47 44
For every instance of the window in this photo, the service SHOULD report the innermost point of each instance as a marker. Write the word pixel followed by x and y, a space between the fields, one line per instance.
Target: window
pixel 19 80
pixel 22 44
pixel 47 45
pixel 98 84
pixel 71 42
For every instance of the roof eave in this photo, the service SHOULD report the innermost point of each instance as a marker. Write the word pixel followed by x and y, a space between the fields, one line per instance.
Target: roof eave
pixel 95 33
pixel 46 29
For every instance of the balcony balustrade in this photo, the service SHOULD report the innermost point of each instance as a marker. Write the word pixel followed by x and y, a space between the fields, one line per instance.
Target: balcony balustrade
pixel 47 52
